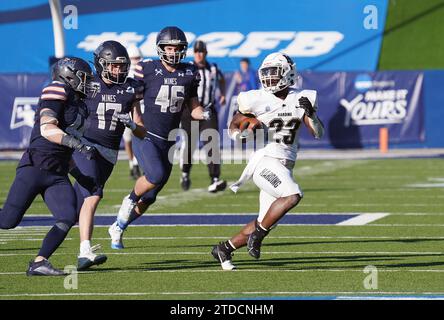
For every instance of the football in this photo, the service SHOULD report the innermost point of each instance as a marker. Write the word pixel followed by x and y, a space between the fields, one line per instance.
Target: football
pixel 250 123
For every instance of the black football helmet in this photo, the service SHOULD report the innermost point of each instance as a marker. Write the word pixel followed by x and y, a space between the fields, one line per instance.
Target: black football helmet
pixel 111 53
pixel 171 36
pixel 75 72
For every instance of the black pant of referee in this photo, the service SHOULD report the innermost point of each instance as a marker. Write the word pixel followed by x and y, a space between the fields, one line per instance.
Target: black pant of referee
pixel 187 148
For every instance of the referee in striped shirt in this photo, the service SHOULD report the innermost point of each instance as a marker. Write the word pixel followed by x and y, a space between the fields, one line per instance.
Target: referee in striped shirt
pixel 211 78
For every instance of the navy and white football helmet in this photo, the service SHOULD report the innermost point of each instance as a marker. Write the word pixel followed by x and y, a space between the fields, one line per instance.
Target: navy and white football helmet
pixel 75 72
pixel 109 54
pixel 171 36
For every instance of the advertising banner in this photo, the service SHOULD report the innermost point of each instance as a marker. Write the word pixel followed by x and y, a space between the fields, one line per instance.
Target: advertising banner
pixel 312 31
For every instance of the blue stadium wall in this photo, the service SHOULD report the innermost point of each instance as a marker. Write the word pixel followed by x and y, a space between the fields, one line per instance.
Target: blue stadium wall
pixel 337 57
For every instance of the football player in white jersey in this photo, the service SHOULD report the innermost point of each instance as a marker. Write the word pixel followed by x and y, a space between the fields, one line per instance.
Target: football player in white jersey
pixel 279 110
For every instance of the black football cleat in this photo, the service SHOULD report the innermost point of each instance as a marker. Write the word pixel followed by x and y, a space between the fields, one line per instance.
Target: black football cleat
pixel 223 256
pixel 185 183
pixel 217 185
pixel 43 268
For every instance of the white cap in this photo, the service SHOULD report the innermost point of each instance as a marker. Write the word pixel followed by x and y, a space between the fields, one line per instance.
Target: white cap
pixel 134 52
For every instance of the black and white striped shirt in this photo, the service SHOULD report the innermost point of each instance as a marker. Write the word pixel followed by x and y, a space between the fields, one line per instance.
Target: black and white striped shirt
pixel 210 76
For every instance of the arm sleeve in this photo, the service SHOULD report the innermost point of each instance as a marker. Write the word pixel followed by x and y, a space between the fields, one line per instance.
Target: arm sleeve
pixel 54 97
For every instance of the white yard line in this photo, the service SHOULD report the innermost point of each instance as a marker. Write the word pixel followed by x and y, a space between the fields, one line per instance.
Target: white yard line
pixel 213 213
pixel 269 237
pixel 209 293
pixel 244 271
pixel 362 219
pixel 178 253
pixel 431 225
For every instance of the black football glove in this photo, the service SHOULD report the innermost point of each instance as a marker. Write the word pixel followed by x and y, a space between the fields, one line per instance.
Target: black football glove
pixel 90 152
pixel 307 106
pixel 74 143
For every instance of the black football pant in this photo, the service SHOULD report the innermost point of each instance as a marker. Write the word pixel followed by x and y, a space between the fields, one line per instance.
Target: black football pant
pixel 188 145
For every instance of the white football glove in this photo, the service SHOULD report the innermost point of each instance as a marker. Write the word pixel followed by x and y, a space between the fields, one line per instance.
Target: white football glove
pixel 206 115
pixel 125 118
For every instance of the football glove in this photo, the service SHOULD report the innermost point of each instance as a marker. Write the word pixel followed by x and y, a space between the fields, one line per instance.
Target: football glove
pixel 206 115
pixel 90 152
pixel 305 104
pixel 74 143
pixel 125 118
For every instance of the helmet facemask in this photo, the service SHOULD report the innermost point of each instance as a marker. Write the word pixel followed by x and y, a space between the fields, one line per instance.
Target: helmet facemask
pixel 80 82
pixel 170 57
pixel 276 75
pixel 84 80
pixel 118 77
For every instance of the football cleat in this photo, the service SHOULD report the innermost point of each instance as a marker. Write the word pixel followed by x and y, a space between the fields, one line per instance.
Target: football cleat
pixel 84 261
pixel 185 183
pixel 116 233
pixel 217 185
pixel 43 268
pixel 223 257
pixel 255 241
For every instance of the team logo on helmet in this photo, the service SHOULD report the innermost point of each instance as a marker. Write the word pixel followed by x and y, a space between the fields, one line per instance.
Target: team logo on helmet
pixel 277 72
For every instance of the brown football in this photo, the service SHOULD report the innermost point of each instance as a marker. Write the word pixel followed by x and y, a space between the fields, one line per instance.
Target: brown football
pixel 250 123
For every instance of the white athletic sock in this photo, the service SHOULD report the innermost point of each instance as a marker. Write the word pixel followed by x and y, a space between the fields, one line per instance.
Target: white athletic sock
pixel 85 247
pixel 135 162
pixel 130 164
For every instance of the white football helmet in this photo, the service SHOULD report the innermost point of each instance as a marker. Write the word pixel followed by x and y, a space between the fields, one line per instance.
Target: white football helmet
pixel 277 72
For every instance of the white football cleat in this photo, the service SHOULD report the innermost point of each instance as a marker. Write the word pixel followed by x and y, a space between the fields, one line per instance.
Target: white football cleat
pixel 88 259
pixel 116 234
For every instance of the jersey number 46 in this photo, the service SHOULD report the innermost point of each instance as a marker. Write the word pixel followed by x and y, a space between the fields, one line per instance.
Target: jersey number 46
pixel 171 97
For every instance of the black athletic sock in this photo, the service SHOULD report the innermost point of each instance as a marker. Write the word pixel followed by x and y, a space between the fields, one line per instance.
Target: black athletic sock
pixel 134 197
pixel 260 231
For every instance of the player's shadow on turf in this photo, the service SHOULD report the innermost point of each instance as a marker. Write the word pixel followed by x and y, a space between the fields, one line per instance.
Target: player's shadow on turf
pixel 413 265
pixel 296 262
pixel 164 265
pixel 20 249
pixel 418 240
pixel 321 260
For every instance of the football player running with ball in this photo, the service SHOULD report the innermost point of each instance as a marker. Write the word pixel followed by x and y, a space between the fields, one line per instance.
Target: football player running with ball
pixel 280 110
